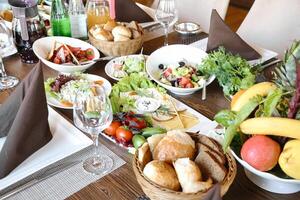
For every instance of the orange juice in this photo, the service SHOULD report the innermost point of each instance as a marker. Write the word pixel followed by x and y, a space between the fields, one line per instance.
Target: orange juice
pixel 97 12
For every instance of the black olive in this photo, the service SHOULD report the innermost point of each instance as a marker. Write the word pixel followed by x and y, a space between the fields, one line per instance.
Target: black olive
pixel 161 66
pixel 173 82
pixel 181 64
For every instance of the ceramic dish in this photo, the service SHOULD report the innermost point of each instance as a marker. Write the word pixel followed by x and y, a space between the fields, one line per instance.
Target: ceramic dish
pixel 173 54
pixel 106 84
pixel 109 67
pixel 42 48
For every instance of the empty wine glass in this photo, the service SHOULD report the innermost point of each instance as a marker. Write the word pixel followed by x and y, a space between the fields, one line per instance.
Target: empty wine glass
pixel 92 114
pixel 6 46
pixel 167 14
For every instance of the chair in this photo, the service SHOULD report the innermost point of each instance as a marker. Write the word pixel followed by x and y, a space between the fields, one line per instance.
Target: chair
pixel 272 24
pixel 199 11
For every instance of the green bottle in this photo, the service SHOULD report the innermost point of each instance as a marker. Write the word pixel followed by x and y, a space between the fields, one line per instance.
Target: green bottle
pixel 60 21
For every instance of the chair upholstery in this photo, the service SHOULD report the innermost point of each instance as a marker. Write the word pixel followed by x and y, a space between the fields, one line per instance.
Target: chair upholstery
pixel 272 24
pixel 199 11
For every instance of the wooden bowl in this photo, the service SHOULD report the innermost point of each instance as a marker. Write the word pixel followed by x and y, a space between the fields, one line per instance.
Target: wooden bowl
pixel 156 192
pixel 119 48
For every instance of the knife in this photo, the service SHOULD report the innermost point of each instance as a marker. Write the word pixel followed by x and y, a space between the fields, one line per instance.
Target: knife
pixel 43 176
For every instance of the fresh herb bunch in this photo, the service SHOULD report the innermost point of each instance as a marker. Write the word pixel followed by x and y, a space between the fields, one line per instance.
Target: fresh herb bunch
pixel 233 72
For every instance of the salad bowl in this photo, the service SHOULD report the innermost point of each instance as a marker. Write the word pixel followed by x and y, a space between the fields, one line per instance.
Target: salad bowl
pixel 43 46
pixel 171 55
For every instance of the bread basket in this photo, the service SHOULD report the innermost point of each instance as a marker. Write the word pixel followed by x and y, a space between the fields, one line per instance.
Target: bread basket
pixel 118 48
pixel 156 192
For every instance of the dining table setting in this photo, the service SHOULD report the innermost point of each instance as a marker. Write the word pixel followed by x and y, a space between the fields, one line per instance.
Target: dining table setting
pixel 110 99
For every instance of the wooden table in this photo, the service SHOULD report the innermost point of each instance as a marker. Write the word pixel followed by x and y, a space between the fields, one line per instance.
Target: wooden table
pixel 121 184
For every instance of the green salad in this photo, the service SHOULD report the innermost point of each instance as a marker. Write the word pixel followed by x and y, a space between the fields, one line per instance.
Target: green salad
pixel 131 64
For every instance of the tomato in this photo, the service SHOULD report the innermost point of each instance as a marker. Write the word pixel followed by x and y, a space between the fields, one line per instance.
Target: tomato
pixel 135 122
pixel 111 130
pixel 167 72
pixel 184 81
pixel 89 53
pixel 189 85
pixel 56 60
pixel 123 134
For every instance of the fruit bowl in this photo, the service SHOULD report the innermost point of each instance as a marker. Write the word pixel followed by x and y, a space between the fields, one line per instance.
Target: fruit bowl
pixel 267 180
pixel 172 54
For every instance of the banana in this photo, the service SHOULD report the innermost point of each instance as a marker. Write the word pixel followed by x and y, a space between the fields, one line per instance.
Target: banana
pixel 272 126
pixel 262 89
pixel 289 160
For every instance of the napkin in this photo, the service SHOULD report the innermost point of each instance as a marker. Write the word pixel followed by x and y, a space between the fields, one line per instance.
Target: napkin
pixel 213 193
pixel 221 35
pixel 24 122
pixel 127 11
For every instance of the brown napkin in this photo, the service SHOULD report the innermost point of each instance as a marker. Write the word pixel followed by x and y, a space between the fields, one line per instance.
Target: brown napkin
pixel 127 11
pixel 24 120
pixel 213 193
pixel 221 35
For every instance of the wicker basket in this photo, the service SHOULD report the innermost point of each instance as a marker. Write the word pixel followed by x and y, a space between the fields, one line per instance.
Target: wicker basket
pixel 156 192
pixel 120 48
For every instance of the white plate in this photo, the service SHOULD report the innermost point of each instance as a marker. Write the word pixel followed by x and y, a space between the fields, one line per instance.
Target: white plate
pixel 172 54
pixel 66 141
pixel 42 48
pixel 106 84
pixel 265 53
pixel 109 66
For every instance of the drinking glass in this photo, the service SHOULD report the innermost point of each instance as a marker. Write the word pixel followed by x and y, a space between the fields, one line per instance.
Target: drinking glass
pixel 167 14
pixel 6 46
pixel 92 113
pixel 97 12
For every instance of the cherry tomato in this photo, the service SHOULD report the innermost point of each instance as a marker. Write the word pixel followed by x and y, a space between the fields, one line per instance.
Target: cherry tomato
pixel 184 81
pixel 89 53
pixel 189 85
pixel 111 130
pixel 123 134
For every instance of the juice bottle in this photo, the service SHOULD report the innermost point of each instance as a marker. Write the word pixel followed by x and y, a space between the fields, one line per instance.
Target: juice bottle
pixel 97 12
pixel 60 21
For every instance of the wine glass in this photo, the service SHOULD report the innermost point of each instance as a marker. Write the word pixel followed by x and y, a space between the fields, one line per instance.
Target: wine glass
pixel 6 46
pixel 92 113
pixel 167 14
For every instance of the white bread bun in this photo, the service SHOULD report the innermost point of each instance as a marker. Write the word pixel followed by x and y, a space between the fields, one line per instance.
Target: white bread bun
pixel 119 38
pixel 135 33
pixel 121 32
pixel 101 34
pixel 176 144
pixel 110 25
pixel 189 176
pixel 162 174
pixel 154 140
pixel 144 154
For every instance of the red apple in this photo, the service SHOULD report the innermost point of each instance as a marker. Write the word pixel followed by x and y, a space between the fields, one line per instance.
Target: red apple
pixel 261 152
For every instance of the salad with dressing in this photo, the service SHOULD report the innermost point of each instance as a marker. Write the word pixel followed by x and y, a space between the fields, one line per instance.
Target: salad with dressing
pixel 182 75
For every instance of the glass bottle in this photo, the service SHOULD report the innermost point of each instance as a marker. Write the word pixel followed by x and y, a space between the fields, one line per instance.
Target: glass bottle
pixel 78 19
pixel 97 12
pixel 60 21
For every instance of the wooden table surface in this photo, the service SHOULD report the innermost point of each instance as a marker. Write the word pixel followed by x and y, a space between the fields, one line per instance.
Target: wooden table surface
pixel 121 184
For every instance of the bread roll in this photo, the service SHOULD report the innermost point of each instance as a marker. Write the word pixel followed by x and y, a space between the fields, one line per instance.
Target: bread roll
pixel 110 25
pixel 121 32
pixel 121 38
pixel 101 34
pixel 154 140
pixel 176 144
pixel 135 33
pixel 144 154
pixel 162 174
pixel 189 176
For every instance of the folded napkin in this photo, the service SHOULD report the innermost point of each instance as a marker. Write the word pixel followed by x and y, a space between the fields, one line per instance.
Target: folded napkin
pixel 221 35
pixel 127 11
pixel 213 193
pixel 24 122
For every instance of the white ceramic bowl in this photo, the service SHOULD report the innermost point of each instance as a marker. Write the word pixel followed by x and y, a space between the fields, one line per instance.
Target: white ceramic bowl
pixel 172 54
pixel 42 47
pixel 269 181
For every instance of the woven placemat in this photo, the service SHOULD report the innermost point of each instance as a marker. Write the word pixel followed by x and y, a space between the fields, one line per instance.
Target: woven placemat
pixel 68 182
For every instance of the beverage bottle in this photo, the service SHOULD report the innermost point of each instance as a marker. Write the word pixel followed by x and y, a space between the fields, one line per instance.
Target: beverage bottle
pixel 78 19
pixel 97 12
pixel 60 21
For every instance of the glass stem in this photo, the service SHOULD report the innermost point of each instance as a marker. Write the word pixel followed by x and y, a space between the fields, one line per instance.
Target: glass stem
pixel 2 70
pixel 95 138
pixel 166 35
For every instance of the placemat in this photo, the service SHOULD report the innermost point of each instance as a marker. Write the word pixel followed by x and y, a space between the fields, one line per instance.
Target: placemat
pixel 67 182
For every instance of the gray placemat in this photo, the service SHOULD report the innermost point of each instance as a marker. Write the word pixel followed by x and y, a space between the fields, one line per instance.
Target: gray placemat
pixel 68 182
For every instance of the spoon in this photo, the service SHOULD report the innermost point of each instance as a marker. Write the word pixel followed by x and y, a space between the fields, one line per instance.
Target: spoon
pixel 90 61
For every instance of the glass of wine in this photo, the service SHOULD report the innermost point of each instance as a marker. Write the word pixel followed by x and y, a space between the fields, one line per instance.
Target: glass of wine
pixel 167 14
pixel 6 46
pixel 92 113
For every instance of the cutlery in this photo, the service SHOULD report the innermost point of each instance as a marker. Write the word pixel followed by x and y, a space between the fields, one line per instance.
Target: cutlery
pixel 43 176
pixel 204 90
pixel 270 63
pixel 90 61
